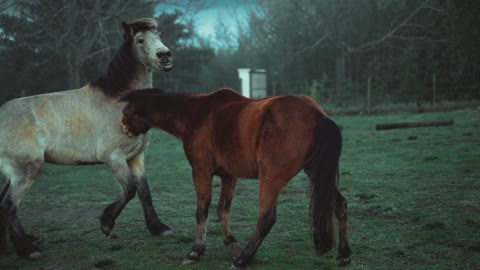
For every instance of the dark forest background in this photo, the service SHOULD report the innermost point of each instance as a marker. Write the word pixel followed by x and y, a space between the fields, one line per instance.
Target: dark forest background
pixel 344 53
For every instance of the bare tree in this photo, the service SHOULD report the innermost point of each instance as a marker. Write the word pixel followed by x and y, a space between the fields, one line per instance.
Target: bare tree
pixel 335 24
pixel 76 31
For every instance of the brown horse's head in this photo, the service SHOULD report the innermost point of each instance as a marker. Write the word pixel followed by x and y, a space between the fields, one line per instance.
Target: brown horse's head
pixel 133 121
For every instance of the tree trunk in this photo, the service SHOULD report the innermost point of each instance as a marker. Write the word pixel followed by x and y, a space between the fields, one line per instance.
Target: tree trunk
pixel 340 75
pixel 434 86
pixel 73 72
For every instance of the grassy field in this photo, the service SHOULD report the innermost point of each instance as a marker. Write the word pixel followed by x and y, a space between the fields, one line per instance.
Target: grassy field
pixel 414 203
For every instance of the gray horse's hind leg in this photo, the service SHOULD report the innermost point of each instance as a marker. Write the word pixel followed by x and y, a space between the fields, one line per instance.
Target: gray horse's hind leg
pixel 3 221
pixel 21 181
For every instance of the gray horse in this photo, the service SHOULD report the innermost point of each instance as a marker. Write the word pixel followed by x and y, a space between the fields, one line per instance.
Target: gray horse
pixel 78 127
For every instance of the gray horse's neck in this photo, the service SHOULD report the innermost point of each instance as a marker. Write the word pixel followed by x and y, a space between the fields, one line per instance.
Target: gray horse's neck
pixel 143 79
pixel 123 76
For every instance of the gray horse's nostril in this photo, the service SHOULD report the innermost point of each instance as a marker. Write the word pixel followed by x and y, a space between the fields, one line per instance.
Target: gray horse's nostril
pixel 161 54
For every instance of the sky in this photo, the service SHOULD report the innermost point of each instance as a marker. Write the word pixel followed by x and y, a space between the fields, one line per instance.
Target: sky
pixel 227 12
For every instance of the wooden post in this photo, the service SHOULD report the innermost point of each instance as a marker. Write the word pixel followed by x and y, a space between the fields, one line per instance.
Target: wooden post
pixel 369 84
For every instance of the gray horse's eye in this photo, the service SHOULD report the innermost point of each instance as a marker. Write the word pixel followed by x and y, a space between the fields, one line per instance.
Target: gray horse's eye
pixel 140 40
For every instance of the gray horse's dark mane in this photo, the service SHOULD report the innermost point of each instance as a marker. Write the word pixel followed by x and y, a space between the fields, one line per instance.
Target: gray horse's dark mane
pixel 122 70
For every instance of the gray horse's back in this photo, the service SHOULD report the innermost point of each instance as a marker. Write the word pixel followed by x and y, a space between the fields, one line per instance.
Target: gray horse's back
pixel 73 127
pixel 19 132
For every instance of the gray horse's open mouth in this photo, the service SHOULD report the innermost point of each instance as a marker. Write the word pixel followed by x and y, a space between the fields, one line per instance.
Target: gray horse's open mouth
pixel 166 65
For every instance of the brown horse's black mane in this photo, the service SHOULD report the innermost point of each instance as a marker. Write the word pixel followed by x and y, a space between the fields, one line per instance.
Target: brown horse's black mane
pixel 122 69
pixel 151 92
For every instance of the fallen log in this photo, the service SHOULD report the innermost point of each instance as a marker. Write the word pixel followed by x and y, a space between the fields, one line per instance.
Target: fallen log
pixel 414 124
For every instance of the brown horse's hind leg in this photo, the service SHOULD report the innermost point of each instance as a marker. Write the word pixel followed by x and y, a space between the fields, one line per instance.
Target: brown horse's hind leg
pixel 344 251
pixel 223 213
pixel 154 225
pixel 203 186
pixel 268 196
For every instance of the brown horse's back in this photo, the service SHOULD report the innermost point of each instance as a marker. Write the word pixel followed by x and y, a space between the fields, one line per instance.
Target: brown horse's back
pixel 249 134
pixel 286 136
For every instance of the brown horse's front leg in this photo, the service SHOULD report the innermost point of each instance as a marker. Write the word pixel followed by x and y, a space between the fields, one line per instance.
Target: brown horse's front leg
pixel 203 186
pixel 223 213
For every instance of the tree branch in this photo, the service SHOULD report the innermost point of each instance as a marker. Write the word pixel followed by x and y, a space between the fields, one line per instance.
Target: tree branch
pixel 392 34
pixel 309 47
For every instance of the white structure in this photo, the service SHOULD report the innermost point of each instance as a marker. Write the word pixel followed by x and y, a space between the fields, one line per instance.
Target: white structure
pixel 254 82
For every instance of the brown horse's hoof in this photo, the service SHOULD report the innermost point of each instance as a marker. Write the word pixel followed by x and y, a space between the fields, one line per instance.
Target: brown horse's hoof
pixel 235 267
pixel 235 250
pixel 240 263
pixel 191 258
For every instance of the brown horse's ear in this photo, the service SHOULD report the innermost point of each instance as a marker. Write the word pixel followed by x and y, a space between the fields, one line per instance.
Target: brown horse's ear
pixel 128 29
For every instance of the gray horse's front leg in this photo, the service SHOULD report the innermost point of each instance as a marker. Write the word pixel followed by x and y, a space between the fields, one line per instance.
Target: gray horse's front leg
pixel 127 180
pixel 151 218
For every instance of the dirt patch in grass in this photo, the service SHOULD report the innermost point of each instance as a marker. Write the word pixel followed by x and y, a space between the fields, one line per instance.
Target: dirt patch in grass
pixel 104 264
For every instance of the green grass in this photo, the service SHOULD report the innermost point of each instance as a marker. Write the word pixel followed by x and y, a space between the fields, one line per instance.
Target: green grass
pixel 414 203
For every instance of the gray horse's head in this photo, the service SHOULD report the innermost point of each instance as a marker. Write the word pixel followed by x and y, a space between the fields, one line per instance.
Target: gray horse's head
pixel 150 50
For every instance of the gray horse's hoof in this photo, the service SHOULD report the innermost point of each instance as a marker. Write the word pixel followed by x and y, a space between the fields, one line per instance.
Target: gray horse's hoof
pixel 167 232
pixel 344 262
pixel 106 229
pixel 187 261
pixel 159 229
pixel 36 255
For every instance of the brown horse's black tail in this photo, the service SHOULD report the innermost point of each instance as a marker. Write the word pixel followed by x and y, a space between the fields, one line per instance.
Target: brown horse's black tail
pixel 322 168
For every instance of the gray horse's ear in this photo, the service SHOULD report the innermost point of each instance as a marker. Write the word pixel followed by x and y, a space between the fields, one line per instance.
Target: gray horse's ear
pixel 127 28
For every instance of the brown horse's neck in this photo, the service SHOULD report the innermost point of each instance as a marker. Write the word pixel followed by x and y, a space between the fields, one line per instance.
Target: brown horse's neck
pixel 125 73
pixel 171 113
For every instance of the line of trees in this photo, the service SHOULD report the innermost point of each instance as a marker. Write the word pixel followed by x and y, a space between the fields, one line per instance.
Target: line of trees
pixel 341 52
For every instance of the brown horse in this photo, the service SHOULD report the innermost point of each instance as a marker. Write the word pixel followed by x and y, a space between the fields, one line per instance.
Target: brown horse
pixel 231 136
pixel 78 127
